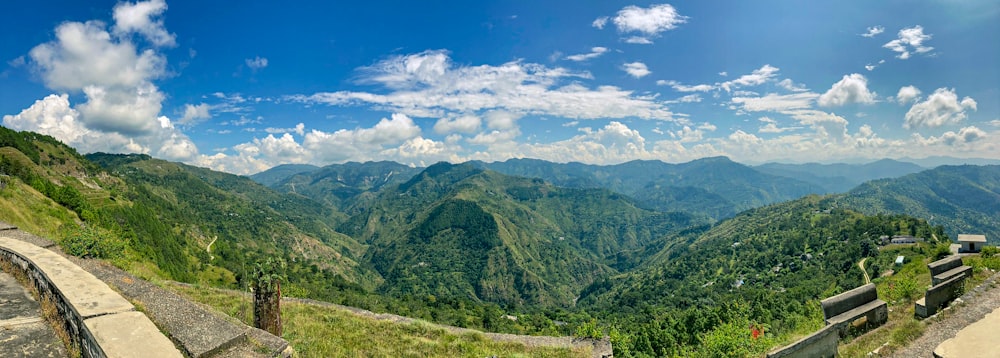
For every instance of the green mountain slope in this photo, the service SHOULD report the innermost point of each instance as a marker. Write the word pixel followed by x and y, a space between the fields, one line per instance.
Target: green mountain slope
pixel 768 266
pixel 341 185
pixel 964 199
pixel 717 187
pixel 457 230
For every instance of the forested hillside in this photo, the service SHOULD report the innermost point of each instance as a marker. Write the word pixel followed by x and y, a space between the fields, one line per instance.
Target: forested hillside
pixel 964 199
pixel 717 187
pixel 766 267
pixel 456 230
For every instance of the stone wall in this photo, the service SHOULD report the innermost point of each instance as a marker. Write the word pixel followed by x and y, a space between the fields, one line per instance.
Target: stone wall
pixel 98 320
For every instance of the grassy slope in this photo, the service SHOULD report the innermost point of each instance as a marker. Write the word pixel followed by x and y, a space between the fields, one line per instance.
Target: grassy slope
pixel 321 331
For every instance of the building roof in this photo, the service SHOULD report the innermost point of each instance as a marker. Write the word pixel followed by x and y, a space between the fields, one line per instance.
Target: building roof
pixel 971 238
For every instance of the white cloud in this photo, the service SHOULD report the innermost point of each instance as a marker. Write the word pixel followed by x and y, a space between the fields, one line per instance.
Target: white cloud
pixel 256 63
pixel 649 22
pixel 790 85
pixel 677 86
pixel 428 85
pixel 907 94
pixel 600 22
pixel 300 129
pixel 723 73
pixel 757 77
pixel 636 69
pixel 594 53
pixel 121 111
pixel 995 123
pixel 771 126
pixel 638 40
pixel 144 18
pixel 195 112
pixel 691 98
pixel 874 30
pixel 909 38
pixel 775 102
pixel 84 54
pixel 941 107
pixel 464 124
pixel 852 88
pixel 964 136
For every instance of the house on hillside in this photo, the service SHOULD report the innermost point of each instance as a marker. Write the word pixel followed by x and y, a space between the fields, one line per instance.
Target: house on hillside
pixel 971 243
pixel 905 239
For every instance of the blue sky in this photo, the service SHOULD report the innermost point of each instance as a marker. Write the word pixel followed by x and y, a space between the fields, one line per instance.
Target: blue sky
pixel 243 88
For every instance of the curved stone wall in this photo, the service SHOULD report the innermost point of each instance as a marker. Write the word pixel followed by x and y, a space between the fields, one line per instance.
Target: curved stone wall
pixel 99 320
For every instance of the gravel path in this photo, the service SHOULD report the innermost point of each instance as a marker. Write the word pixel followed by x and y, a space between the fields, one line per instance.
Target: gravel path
pixel 974 305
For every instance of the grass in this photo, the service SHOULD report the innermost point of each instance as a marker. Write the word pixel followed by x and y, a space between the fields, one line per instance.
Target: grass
pixel 31 211
pixel 321 331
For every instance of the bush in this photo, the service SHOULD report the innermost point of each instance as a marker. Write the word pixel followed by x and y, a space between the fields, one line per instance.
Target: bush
pixel 91 242
pixel 988 252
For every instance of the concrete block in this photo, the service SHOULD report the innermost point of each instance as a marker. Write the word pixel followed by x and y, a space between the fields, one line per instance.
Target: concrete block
pixel 822 343
pixel 849 300
pixel 974 341
pixel 130 334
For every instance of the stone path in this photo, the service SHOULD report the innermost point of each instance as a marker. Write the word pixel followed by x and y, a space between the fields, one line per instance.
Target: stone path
pixel 23 331
pixel 973 307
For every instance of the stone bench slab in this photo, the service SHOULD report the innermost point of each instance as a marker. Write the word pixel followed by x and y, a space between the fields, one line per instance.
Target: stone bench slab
pixel 947 275
pixel 975 340
pixel 130 334
pixel 864 310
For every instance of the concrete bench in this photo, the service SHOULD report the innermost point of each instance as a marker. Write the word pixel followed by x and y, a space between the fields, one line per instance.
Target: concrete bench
pixel 845 309
pixel 938 296
pixel 946 268
pixel 822 343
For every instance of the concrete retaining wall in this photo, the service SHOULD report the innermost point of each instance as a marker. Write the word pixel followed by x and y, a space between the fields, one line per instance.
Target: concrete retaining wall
pixel 822 343
pixel 98 320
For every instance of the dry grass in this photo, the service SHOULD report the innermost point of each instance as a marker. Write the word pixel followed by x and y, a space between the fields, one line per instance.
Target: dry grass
pixel 320 331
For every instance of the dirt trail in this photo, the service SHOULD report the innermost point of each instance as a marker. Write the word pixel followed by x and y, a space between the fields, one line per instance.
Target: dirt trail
pixel 861 264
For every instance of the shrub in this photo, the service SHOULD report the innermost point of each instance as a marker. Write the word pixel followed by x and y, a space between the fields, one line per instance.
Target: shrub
pixel 90 242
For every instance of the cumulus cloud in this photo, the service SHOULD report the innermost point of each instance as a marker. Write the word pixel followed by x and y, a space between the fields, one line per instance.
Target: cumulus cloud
pixel 428 85
pixel 941 107
pixel 122 105
pixel 910 39
pixel 874 30
pixel 852 88
pixel 643 24
pixel 594 53
pixel 907 94
pixel 194 113
pixel 964 136
pixel 636 69
pixel 144 18
pixel 256 63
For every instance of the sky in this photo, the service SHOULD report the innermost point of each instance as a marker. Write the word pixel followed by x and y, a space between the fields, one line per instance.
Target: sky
pixel 241 87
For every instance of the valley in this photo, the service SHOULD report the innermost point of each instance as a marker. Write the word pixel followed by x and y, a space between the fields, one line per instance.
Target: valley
pixel 666 259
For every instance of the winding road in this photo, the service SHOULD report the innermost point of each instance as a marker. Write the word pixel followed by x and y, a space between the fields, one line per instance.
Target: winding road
pixel 861 264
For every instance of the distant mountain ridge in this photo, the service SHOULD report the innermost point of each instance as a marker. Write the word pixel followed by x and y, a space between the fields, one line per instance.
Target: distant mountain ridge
pixel 716 187
pixel 839 178
pixel 964 199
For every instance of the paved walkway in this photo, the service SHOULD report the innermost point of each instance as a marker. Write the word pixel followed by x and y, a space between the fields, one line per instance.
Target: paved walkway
pixel 23 331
